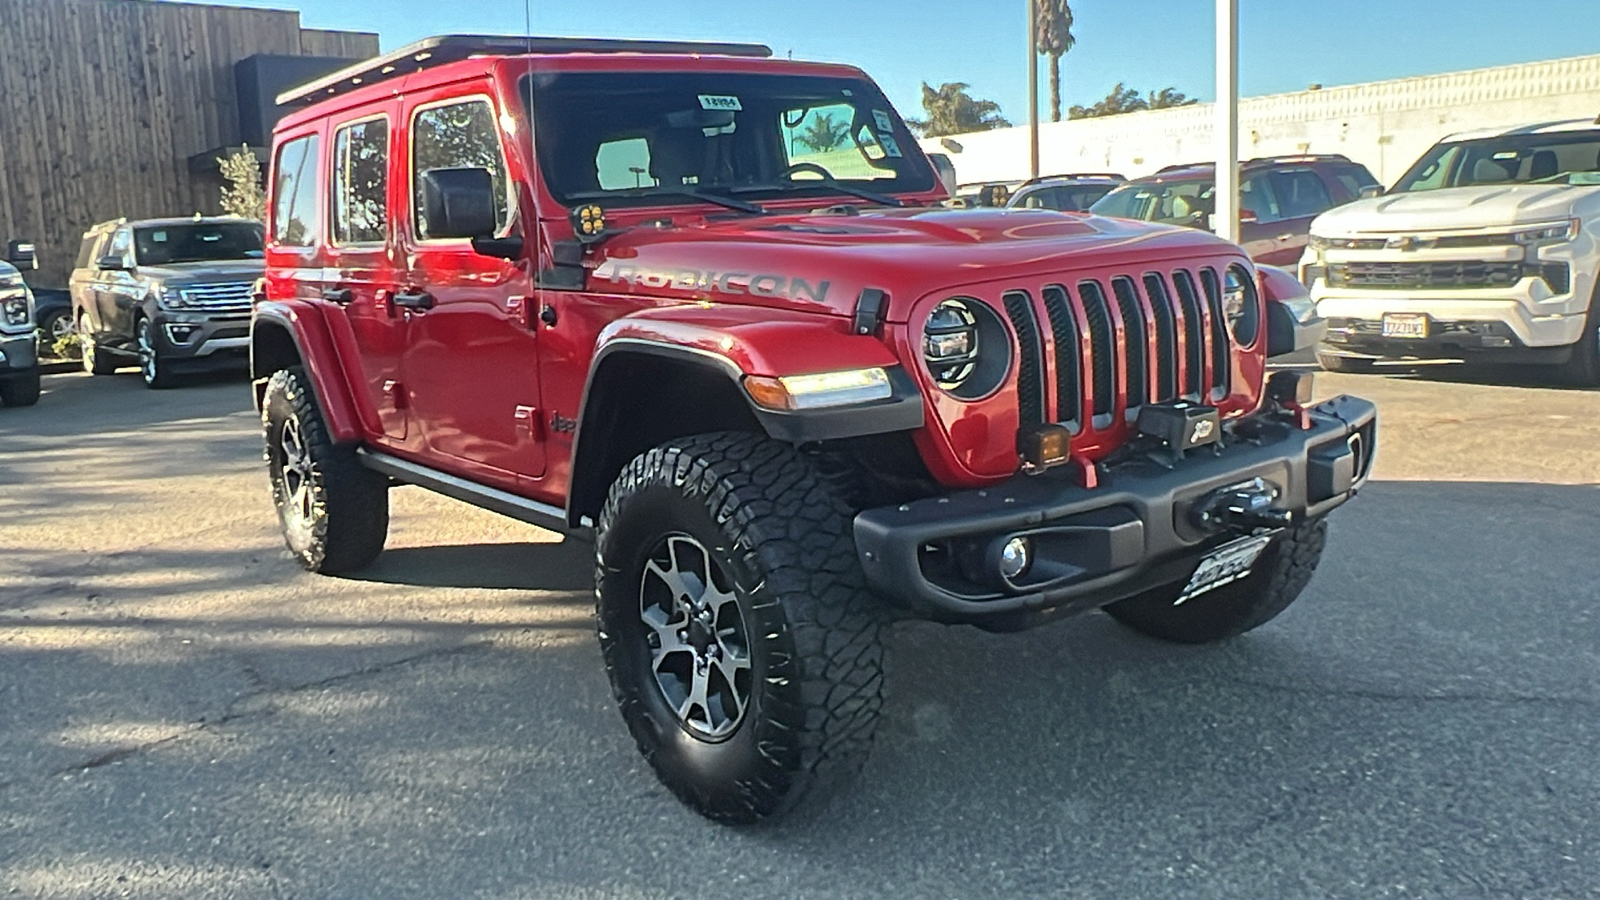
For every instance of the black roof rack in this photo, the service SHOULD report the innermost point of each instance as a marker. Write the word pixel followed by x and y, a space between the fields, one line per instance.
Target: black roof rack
pixel 1260 160
pixel 436 51
pixel 1071 175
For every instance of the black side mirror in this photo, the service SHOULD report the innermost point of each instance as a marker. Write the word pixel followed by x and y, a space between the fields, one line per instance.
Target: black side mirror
pixel 111 263
pixel 458 203
pixel 1371 190
pixel 22 255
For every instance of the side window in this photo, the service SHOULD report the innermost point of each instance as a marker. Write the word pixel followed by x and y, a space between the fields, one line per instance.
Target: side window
pixel 461 135
pixel 1301 193
pixel 1353 179
pixel 361 183
pixel 624 163
pixel 294 193
pixel 86 254
pixel 121 245
pixel 1255 194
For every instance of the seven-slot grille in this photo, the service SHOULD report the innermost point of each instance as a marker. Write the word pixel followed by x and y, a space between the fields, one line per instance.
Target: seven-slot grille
pixel 218 297
pixel 1148 338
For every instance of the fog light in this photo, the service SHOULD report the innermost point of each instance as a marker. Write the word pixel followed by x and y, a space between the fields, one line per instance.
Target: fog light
pixel 1047 445
pixel 1015 558
pixel 180 334
pixel 1291 387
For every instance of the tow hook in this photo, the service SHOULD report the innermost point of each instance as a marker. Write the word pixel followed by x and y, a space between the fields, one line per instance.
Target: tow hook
pixel 1246 506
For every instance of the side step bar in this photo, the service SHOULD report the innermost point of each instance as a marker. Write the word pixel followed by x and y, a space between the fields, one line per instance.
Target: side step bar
pixel 507 504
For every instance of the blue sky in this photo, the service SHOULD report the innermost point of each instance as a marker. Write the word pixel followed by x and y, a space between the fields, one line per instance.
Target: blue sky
pixel 1285 44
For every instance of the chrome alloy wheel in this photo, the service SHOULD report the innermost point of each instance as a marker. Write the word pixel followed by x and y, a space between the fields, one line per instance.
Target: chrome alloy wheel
pixel 699 644
pixel 147 352
pixel 296 498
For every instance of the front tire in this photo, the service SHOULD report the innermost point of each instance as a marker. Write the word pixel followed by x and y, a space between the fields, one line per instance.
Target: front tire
pixel 20 390
pixel 334 511
pixel 155 371
pixel 743 646
pixel 94 360
pixel 1279 576
pixel 1582 369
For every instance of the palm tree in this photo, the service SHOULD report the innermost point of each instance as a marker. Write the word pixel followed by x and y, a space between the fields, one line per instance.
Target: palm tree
pixel 1054 28
pixel 951 110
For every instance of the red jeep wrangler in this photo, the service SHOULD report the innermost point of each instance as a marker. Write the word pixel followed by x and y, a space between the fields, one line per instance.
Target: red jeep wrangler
pixel 701 306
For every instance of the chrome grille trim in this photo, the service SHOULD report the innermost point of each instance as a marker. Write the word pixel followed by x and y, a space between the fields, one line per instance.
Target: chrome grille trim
pixel 229 297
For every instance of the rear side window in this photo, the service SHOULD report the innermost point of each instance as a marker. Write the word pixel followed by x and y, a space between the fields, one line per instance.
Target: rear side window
pixel 86 254
pixel 361 183
pixel 1354 178
pixel 1257 196
pixel 294 193
pixel 456 136
pixel 1301 193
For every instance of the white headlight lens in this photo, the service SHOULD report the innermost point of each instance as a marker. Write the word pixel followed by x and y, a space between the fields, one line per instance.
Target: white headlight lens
pixel 1240 305
pixel 16 310
pixel 1553 233
pixel 950 343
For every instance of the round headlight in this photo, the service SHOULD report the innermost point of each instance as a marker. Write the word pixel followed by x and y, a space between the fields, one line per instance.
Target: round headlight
pixel 966 348
pixel 1241 304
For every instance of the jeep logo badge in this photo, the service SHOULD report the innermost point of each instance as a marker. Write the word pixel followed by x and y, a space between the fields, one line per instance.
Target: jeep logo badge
pixel 1202 431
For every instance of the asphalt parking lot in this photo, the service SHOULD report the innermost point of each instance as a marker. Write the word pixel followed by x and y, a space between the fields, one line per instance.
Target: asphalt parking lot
pixel 184 713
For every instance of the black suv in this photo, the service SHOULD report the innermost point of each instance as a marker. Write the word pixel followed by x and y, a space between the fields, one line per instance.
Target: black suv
pixel 1071 193
pixel 166 294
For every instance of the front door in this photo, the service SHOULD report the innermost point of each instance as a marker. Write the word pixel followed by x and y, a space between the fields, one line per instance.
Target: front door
pixel 470 363
pixel 116 293
pixel 363 273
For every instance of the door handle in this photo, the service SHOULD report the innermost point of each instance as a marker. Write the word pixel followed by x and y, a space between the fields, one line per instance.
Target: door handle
pixel 340 296
pixel 414 300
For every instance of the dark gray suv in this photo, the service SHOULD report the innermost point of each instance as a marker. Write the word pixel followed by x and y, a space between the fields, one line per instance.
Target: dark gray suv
pixel 167 295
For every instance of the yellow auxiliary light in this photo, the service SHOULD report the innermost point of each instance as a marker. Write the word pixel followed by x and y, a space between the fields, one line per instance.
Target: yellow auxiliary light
pixel 588 222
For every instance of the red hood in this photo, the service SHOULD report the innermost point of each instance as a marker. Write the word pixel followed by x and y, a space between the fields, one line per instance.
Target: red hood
pixel 803 261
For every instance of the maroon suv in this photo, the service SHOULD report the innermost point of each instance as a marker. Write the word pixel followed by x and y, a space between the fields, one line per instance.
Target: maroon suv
pixel 1278 198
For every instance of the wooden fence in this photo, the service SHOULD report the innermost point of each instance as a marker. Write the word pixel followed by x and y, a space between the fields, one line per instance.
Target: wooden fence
pixel 105 101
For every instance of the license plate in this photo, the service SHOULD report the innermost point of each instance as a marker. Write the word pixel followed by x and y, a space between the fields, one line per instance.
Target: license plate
pixel 1225 565
pixel 1405 325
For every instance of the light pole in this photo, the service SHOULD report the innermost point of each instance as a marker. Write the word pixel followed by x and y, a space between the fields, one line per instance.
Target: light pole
pixel 1225 218
pixel 1033 88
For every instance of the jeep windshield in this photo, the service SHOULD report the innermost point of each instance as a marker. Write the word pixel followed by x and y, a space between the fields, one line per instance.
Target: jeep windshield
pixel 650 138
pixel 1558 158
pixel 164 245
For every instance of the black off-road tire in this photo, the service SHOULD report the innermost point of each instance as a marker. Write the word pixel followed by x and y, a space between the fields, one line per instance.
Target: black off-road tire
pixel 1351 365
pixel 1582 369
pixel 333 510
pixel 1277 579
pixel 20 390
pixel 94 360
pixel 782 540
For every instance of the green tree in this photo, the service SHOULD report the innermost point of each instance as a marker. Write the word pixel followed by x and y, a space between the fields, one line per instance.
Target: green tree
pixel 824 134
pixel 243 194
pixel 1054 29
pixel 1123 99
pixel 951 110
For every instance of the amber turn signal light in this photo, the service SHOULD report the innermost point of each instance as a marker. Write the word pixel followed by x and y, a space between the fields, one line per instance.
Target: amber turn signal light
pixel 1046 446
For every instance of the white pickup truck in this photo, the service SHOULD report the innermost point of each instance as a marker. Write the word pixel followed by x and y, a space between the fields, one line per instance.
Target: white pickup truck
pixel 1487 250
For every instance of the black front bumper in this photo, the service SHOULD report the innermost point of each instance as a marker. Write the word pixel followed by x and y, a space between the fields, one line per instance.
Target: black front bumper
pixel 197 340
pixel 1137 530
pixel 18 353
pixel 1472 341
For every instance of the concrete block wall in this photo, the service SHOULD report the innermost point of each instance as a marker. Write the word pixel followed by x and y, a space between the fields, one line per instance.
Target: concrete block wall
pixel 1385 125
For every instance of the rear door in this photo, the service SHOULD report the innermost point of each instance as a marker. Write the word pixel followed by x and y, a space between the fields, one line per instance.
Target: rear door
pixel 81 284
pixel 470 364
pixel 1302 196
pixel 362 273
pixel 116 293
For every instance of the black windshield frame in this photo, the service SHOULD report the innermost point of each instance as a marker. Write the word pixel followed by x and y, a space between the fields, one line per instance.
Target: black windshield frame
pixel 576 113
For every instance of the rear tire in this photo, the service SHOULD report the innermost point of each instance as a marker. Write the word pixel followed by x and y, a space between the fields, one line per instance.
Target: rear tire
pixel 53 326
pixel 334 511
pixel 20 390
pixel 755 684
pixel 1279 576
pixel 1352 365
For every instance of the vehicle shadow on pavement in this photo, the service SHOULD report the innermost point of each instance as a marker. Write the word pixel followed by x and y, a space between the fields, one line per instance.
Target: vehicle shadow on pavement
pixel 1534 377
pixel 564 566
pixel 1423 716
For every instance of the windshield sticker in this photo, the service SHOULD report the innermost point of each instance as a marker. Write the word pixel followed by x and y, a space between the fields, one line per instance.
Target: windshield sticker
pixel 1506 154
pixel 882 119
pixel 890 147
pixel 720 102
pixel 159 237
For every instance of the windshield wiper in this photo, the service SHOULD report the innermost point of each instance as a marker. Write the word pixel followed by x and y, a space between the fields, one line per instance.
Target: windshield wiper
pixel 692 193
pixel 830 183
